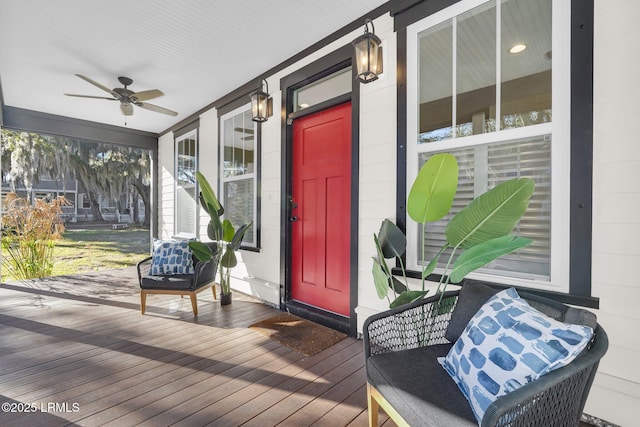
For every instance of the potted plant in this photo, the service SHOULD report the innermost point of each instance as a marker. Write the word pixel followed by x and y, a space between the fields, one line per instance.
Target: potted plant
pixel 477 235
pixel 227 238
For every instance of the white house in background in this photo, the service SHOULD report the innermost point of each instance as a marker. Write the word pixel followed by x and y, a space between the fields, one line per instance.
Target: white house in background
pixel 45 188
pixel 78 208
pixel 337 157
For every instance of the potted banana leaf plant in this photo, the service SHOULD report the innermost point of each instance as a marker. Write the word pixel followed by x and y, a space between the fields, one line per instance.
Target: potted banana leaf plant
pixel 222 232
pixel 477 235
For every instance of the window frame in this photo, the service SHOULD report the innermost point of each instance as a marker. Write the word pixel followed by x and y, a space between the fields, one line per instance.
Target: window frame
pixel 579 136
pixel 255 175
pixel 84 200
pixel 558 128
pixel 190 134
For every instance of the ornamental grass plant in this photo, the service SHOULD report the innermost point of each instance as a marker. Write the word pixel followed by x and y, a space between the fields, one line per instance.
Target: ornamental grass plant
pixel 29 233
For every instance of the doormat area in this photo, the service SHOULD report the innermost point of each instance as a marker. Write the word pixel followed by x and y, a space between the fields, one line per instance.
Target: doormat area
pixel 298 334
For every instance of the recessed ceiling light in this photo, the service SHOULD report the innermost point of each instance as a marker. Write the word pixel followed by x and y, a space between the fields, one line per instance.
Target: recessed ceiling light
pixel 517 48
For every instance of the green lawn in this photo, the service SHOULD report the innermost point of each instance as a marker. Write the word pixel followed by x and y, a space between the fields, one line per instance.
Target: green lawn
pixel 93 250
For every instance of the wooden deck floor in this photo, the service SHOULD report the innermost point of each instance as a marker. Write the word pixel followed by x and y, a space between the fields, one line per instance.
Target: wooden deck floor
pixel 77 351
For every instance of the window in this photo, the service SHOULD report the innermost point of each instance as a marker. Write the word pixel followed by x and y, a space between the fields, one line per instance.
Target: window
pixel 333 85
pixel 239 156
pixel 71 202
pixel 84 201
pixel 489 84
pixel 186 199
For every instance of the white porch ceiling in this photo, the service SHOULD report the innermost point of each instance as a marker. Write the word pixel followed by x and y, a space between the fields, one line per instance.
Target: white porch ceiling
pixel 195 51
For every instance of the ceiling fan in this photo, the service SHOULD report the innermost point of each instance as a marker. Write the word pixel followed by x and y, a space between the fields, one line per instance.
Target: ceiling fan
pixel 127 97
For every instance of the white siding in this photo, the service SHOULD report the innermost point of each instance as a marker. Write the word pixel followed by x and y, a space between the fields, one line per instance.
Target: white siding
pixel 261 270
pixel 378 129
pixel 208 158
pixel 615 395
pixel 166 186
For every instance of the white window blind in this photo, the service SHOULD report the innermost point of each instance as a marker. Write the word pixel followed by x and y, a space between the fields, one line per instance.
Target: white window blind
pixel 239 204
pixel 484 167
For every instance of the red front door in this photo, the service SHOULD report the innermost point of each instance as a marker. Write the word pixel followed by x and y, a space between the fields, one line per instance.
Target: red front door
pixel 321 235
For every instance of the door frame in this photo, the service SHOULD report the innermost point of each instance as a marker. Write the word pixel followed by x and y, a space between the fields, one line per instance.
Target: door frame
pixel 335 61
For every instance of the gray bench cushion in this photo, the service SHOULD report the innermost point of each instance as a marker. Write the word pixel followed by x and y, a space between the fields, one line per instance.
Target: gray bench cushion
pixel 175 282
pixel 417 386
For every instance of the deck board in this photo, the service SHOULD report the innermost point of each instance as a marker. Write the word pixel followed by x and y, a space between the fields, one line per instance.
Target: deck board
pixel 79 343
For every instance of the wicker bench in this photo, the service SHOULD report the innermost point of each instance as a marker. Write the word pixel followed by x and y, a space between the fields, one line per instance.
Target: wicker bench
pixel 405 379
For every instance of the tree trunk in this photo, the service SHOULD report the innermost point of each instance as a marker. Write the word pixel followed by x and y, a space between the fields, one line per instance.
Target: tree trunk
pixel 83 174
pixel 135 209
pixel 94 202
pixel 145 192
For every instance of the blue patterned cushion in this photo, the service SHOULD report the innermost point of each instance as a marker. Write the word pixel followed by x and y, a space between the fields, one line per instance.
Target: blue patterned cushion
pixel 508 344
pixel 171 257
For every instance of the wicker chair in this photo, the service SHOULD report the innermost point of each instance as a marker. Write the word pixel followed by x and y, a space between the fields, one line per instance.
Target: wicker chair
pixel 178 284
pixel 407 382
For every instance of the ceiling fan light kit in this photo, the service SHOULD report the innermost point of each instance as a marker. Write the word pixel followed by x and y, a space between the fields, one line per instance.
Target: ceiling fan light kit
pixel 127 97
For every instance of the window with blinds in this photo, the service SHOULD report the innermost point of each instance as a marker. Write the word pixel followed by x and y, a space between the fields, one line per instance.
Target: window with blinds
pixel 238 170
pixel 239 204
pixel 480 86
pixel 484 167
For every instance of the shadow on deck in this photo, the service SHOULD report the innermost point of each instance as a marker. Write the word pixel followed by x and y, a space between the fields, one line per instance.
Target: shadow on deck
pixel 75 350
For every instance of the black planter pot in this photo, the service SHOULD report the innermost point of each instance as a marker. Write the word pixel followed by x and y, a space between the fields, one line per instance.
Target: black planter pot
pixel 225 299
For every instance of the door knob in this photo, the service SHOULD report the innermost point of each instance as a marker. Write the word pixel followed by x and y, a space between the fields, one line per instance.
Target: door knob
pixel 293 218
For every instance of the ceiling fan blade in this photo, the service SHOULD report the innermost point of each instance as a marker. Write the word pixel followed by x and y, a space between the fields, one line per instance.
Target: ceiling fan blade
pixel 157 109
pixel 147 94
pixel 98 85
pixel 127 109
pixel 91 96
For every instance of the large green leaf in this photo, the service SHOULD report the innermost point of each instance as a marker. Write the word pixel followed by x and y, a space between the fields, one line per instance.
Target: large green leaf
pixel 203 203
pixel 493 214
pixel 433 190
pixel 392 240
pixel 381 254
pixel 380 279
pixel 238 236
pixel 431 267
pixel 214 228
pixel 482 254
pixel 227 230
pixel 201 251
pixel 209 195
pixel 229 259
pixel 407 297
pixel 397 285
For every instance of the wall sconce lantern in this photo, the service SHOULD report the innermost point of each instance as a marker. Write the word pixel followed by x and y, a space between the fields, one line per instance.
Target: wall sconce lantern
pixel 368 54
pixel 261 104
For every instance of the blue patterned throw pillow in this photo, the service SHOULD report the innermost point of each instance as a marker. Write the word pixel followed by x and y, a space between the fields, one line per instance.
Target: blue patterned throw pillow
pixel 171 257
pixel 508 344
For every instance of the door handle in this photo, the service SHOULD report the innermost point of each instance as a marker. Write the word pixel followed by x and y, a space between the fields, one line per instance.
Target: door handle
pixel 293 218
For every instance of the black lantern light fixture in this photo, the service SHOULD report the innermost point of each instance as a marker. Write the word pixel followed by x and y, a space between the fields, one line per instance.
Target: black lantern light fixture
pixel 368 54
pixel 261 104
